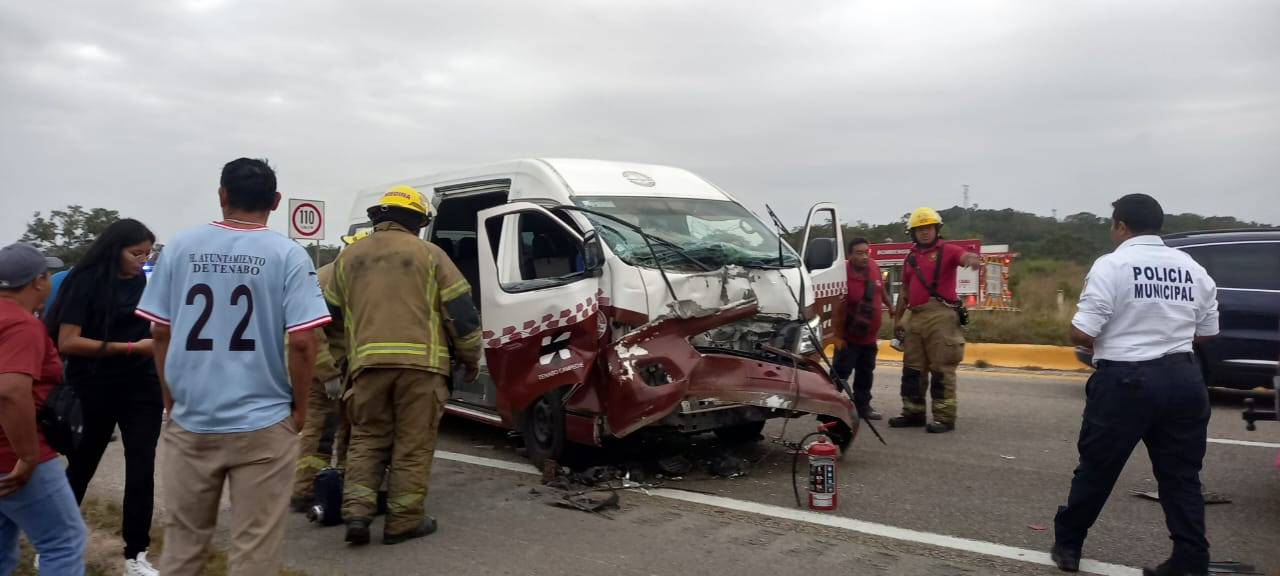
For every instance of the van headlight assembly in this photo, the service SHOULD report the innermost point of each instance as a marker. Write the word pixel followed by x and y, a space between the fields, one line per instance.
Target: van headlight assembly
pixel 812 330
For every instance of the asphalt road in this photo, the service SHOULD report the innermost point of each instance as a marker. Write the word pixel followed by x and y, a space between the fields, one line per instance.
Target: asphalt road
pixel 993 481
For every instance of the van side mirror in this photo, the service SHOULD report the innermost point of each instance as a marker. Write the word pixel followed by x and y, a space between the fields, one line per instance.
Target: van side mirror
pixel 593 254
pixel 820 254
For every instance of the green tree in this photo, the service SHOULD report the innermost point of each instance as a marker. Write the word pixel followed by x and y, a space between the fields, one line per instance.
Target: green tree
pixel 67 233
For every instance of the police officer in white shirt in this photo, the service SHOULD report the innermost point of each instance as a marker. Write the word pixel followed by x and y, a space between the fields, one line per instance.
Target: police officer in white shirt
pixel 1142 307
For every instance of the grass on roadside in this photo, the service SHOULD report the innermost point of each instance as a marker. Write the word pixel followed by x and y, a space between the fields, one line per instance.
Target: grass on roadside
pixel 102 555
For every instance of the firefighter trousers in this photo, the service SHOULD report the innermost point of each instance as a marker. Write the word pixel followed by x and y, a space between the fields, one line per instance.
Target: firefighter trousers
pixel 394 414
pixel 934 346
pixel 313 457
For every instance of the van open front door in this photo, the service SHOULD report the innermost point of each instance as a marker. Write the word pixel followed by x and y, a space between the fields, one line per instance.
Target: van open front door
pixel 823 254
pixel 539 293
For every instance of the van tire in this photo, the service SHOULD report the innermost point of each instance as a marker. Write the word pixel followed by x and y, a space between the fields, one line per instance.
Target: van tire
pixel 740 433
pixel 543 428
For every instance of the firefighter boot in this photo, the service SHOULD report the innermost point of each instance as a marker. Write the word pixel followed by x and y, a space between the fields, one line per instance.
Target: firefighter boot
pixel 426 527
pixel 939 427
pixel 357 531
pixel 907 421
pixel 1068 560
pixel 1170 568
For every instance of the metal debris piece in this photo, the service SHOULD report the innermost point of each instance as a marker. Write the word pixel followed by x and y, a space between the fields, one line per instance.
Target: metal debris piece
pixel 677 465
pixel 588 502
pixel 1209 497
pixel 1008 457
pixel 1231 567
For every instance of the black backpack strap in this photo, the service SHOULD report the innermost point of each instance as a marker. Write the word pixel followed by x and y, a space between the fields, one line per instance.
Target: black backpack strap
pixel 932 286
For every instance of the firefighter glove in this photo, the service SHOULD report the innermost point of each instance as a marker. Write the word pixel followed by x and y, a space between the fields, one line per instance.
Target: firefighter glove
pixel 333 388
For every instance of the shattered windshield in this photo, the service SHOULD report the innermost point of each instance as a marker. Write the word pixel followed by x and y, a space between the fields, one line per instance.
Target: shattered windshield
pixel 714 232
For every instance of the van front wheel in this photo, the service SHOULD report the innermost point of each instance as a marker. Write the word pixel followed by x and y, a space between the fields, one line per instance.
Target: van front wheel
pixel 543 428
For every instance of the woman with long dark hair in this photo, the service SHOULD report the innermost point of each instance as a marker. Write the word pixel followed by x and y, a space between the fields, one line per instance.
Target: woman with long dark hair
pixel 108 361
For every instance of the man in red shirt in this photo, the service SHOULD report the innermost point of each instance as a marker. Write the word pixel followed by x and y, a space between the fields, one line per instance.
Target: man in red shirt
pixel 35 496
pixel 864 311
pixel 933 339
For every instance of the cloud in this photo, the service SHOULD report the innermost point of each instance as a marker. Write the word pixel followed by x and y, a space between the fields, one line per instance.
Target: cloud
pixel 878 106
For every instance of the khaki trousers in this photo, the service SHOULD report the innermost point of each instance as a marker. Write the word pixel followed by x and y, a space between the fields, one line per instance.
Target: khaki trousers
pixel 310 458
pixel 258 465
pixel 394 415
pixel 934 346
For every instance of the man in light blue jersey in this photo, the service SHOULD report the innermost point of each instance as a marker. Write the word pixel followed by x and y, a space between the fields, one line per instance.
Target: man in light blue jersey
pixel 222 300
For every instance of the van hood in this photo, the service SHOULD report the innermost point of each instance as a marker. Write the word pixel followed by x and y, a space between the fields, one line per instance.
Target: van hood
pixel 774 290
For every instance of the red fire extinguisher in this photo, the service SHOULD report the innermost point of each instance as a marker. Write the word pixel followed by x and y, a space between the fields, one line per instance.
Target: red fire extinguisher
pixel 822 472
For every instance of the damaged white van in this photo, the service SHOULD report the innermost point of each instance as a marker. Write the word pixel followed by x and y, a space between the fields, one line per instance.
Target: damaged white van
pixel 616 297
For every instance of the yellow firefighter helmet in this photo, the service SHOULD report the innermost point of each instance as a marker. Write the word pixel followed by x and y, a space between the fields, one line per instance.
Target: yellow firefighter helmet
pixel 407 198
pixel 360 234
pixel 923 216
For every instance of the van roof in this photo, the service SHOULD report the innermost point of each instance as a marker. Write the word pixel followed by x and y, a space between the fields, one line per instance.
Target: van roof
pixel 606 178
pixel 582 177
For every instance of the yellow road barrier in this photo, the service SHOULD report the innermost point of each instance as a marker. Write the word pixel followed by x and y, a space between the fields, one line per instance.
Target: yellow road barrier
pixel 1004 355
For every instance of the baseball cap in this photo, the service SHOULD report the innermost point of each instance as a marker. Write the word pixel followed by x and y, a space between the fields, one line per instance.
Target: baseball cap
pixel 21 263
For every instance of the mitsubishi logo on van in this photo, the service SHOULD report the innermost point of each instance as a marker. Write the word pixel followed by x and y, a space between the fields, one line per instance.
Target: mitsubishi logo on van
pixel 554 349
pixel 638 179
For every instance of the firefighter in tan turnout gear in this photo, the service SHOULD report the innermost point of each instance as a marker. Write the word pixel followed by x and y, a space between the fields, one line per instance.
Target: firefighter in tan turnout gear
pixel 403 301
pixel 933 336
pixel 323 403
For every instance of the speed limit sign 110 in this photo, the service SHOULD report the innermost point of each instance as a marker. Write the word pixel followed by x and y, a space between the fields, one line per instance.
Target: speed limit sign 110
pixel 306 219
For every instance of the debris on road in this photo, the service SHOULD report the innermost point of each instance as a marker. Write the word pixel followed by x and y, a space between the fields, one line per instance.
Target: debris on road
pixel 588 502
pixel 1231 567
pixel 1008 457
pixel 1038 527
pixel 1209 497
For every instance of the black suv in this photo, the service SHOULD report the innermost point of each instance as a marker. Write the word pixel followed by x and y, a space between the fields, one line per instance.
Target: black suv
pixel 1245 264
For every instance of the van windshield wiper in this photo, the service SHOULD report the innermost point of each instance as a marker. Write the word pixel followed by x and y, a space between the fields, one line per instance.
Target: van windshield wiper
pixel 647 236
pixel 649 239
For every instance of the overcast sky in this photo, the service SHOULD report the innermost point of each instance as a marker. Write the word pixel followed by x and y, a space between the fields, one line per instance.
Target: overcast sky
pixel 879 106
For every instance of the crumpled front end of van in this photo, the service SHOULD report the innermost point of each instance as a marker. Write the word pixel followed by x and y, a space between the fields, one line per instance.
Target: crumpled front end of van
pixel 655 369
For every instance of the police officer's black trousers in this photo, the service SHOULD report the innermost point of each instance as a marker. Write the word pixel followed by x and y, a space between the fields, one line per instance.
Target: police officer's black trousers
pixel 1164 404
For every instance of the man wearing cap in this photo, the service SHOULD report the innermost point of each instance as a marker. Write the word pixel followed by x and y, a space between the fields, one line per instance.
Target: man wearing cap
pixel 403 301
pixel 35 497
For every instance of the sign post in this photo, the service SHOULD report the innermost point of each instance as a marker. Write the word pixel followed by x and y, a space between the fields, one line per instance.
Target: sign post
pixel 306 222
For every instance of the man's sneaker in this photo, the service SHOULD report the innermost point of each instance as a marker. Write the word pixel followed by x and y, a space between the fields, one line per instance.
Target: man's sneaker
pixel 1068 560
pixel 940 427
pixel 425 528
pixel 357 531
pixel 869 413
pixel 140 567
pixel 906 421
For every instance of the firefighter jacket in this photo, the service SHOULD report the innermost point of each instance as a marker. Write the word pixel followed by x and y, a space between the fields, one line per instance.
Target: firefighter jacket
pixel 331 343
pixel 402 301
pixel 331 350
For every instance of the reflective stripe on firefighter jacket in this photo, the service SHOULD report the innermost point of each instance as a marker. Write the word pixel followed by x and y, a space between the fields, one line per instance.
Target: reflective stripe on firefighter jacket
pixel 402 301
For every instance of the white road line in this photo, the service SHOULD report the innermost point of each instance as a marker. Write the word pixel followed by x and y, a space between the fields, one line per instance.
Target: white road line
pixel 1243 443
pixel 839 522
